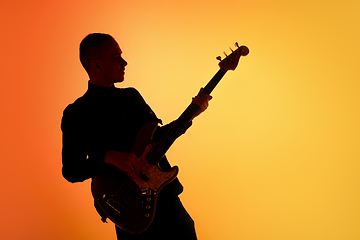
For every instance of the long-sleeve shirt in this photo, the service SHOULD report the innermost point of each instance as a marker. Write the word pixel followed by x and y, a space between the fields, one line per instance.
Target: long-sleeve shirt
pixel 104 119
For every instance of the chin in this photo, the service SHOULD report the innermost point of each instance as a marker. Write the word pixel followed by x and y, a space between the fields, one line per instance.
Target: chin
pixel 119 80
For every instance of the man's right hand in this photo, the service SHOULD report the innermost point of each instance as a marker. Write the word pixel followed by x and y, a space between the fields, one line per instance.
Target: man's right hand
pixel 125 161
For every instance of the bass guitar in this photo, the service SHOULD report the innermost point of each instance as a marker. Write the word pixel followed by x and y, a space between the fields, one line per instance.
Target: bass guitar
pixel 131 203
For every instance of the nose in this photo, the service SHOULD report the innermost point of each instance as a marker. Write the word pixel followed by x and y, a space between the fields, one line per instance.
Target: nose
pixel 124 62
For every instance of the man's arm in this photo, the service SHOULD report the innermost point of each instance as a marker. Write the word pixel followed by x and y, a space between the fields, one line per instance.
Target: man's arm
pixel 129 162
pixel 77 166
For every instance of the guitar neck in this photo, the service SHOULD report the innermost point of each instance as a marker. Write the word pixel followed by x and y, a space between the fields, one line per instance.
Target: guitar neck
pixel 179 126
pixel 214 81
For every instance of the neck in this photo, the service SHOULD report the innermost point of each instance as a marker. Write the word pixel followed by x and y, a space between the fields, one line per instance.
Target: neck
pixel 101 83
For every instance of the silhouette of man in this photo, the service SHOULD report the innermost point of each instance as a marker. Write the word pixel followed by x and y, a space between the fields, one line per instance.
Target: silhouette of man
pixel 99 130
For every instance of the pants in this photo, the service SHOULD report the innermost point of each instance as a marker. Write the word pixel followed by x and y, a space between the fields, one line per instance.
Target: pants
pixel 171 221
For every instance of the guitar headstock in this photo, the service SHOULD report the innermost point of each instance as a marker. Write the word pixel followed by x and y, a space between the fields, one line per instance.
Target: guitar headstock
pixel 231 61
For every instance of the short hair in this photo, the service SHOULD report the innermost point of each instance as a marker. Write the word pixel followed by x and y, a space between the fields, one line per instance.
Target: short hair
pixel 86 50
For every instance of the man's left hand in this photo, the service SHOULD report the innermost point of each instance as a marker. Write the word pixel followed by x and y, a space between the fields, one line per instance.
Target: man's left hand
pixel 202 100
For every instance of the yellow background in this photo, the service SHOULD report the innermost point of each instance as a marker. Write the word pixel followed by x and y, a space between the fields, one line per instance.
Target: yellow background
pixel 276 155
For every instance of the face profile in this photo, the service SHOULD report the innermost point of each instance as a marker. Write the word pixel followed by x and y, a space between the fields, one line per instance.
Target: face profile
pixel 109 67
pixel 100 56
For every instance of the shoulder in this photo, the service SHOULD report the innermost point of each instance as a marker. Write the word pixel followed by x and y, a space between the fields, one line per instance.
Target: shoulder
pixel 77 110
pixel 77 105
pixel 131 94
pixel 129 91
pixel 136 101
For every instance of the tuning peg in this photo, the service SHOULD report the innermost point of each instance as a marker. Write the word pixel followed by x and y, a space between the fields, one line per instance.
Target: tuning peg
pixel 218 58
pixel 231 49
pixel 237 45
pixel 225 53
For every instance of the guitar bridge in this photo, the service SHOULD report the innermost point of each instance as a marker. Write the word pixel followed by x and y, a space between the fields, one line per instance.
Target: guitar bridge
pixel 115 205
pixel 148 203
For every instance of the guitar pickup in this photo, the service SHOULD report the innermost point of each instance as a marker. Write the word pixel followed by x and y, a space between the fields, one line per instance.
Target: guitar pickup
pixel 115 205
pixel 143 177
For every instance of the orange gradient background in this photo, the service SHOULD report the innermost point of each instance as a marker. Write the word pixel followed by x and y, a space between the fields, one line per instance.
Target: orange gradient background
pixel 276 155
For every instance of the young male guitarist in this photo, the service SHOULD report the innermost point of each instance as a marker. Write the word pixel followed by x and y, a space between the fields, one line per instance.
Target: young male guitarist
pixel 101 127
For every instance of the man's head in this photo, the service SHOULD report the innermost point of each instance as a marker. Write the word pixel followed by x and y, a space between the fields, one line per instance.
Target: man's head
pixel 100 55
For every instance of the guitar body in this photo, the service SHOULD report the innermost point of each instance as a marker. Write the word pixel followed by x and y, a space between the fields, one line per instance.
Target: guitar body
pixel 131 203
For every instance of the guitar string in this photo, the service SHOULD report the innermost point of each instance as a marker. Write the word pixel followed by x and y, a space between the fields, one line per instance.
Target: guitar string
pixel 123 191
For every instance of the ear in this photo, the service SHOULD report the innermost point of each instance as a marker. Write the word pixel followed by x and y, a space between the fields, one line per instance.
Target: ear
pixel 94 65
